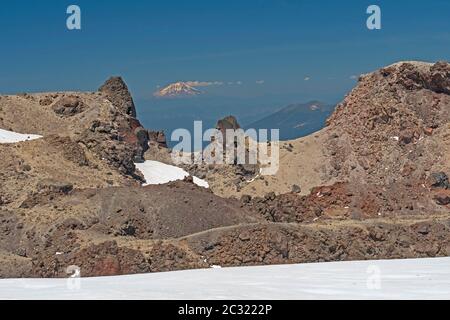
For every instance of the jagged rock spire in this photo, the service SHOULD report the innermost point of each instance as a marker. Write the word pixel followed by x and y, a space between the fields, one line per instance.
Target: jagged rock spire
pixel 117 92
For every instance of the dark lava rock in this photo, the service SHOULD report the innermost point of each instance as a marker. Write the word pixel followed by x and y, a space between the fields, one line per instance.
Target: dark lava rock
pixel 296 189
pixel 442 198
pixel 117 92
pixel 68 106
pixel 439 180
pixel 142 143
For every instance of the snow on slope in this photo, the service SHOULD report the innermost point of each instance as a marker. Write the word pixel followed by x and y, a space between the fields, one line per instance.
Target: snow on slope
pixel 159 173
pixel 398 279
pixel 13 137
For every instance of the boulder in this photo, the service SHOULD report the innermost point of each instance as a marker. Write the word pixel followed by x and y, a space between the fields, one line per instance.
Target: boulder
pixel 68 106
pixel 442 197
pixel 439 180
pixel 296 189
pixel 142 143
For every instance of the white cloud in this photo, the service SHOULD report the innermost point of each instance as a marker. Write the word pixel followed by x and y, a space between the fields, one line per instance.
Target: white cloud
pixel 203 83
pixel 239 83
pixel 307 78
pixel 354 77
pixel 260 82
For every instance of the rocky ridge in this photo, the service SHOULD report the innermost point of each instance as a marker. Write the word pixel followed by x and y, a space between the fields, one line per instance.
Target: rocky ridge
pixel 373 184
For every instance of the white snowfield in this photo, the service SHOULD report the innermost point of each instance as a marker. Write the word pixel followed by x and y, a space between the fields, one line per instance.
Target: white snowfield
pixel 156 172
pixel 382 279
pixel 14 137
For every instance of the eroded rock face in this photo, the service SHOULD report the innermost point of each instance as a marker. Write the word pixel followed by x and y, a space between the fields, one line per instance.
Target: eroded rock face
pixel 392 133
pixel 117 92
pixel 388 148
pixel 103 259
pixel 322 203
pixel 129 128
pixel 279 244
pixel 110 146
pixel 122 140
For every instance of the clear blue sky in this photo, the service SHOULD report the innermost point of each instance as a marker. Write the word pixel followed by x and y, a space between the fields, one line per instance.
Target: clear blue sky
pixel 153 43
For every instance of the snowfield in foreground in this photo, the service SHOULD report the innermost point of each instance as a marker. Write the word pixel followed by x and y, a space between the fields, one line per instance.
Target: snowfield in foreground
pixel 383 279
pixel 14 137
pixel 156 172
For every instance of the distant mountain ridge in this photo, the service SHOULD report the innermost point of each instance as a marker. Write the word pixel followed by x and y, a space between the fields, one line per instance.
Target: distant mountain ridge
pixel 296 120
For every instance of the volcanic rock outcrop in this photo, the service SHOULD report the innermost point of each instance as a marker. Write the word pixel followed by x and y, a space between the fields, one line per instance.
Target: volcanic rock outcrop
pixel 391 134
pixel 117 92
pixel 373 184
pixel 381 147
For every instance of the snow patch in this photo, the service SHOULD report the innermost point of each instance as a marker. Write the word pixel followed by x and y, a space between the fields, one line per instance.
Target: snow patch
pixel 14 137
pixel 377 279
pixel 156 172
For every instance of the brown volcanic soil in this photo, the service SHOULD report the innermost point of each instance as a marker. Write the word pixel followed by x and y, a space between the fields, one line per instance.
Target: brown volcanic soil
pixel 33 167
pixel 373 184
pixel 86 223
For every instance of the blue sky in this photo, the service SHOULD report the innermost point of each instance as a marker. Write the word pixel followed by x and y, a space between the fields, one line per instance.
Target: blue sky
pixel 153 43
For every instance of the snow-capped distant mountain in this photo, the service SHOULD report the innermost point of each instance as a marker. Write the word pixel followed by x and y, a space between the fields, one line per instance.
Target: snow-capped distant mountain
pixel 177 90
